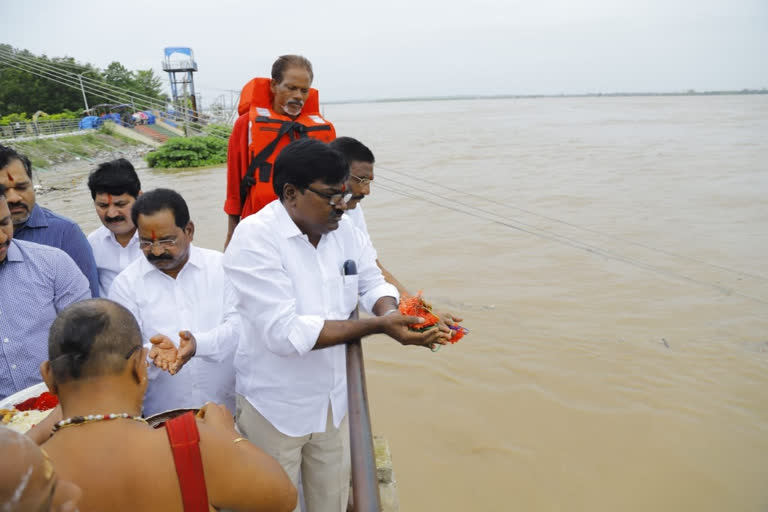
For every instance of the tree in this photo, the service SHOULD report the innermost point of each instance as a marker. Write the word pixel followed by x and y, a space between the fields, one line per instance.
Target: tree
pixel 29 83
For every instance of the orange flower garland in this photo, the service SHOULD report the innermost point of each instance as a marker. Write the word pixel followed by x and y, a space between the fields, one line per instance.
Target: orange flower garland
pixel 417 306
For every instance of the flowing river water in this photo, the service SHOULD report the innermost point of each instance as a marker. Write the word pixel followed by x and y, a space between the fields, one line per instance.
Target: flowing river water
pixel 609 258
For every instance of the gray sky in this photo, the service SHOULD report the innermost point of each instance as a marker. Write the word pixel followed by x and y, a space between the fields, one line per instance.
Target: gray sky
pixel 418 48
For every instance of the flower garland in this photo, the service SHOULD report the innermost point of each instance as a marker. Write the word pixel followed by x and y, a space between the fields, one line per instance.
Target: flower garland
pixel 417 306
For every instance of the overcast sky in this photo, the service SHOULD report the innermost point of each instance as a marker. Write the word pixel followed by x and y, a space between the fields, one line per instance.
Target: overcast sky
pixel 418 48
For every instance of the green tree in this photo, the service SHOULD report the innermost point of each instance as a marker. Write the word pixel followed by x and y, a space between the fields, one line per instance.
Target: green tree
pixel 118 75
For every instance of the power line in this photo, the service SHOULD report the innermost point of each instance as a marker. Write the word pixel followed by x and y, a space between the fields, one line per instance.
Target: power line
pixel 576 226
pixel 532 230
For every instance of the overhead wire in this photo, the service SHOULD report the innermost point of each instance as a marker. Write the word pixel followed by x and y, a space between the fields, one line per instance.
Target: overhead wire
pixel 517 225
pixel 89 85
pixel 467 193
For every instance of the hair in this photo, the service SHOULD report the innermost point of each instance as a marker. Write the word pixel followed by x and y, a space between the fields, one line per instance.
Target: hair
pixel 161 199
pixel 284 62
pixel 115 177
pixel 91 338
pixel 306 160
pixel 2 190
pixel 7 155
pixel 353 150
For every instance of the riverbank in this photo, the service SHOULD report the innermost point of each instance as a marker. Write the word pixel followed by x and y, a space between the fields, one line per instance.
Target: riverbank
pixel 74 150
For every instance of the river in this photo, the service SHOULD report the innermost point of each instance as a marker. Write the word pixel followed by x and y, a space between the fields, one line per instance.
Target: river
pixel 608 255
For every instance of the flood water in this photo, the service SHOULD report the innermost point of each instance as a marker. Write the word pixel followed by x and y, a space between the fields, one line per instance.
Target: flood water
pixel 609 258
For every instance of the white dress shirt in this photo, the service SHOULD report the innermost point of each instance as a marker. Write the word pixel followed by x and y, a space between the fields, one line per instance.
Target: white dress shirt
pixel 358 220
pixel 111 257
pixel 200 300
pixel 286 289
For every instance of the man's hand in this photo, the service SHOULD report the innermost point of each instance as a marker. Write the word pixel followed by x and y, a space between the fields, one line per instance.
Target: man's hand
pixel 216 415
pixel 396 325
pixel 187 349
pixel 167 356
pixel 448 319
pixel 163 352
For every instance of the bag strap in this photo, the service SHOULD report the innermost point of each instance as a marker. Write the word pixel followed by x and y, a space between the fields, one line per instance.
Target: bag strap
pixel 185 445
pixel 292 129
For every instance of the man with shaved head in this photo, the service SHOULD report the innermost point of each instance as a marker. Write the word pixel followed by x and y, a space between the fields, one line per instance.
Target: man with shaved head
pixel 28 480
pixel 98 369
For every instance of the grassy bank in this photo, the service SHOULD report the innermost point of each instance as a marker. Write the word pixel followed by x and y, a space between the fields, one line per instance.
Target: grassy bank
pixel 98 145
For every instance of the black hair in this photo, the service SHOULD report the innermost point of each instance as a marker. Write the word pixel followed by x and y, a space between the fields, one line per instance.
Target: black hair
pixel 284 62
pixel 161 199
pixel 8 154
pixel 353 150
pixel 2 190
pixel 306 160
pixel 93 337
pixel 115 177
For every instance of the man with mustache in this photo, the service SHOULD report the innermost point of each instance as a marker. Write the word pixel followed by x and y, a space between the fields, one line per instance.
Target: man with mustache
pixel 273 112
pixel 114 188
pixel 33 223
pixel 287 263
pixel 361 160
pixel 36 282
pixel 184 304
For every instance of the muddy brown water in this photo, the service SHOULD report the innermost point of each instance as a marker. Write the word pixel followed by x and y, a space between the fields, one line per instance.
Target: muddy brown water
pixel 609 258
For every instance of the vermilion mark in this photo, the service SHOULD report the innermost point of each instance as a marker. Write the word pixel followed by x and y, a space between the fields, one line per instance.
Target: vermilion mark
pixel 10 178
pixel 109 199
pixel 153 235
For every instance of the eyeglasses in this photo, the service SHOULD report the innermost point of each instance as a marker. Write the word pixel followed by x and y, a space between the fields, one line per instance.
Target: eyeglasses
pixel 361 181
pixel 333 199
pixel 132 351
pixel 166 243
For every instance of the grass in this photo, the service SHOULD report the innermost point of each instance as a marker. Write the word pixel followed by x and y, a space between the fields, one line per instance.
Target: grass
pixel 45 152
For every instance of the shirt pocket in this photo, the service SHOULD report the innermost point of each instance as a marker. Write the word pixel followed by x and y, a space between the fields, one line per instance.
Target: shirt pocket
pixel 349 293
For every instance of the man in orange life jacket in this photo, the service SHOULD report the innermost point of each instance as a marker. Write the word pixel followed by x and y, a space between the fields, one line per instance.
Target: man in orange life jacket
pixel 272 113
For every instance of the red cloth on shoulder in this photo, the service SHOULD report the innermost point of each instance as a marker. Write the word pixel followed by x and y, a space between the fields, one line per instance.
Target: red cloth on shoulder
pixel 185 444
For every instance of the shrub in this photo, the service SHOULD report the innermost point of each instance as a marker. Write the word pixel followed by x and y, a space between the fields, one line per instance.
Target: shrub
pixel 189 152
pixel 219 130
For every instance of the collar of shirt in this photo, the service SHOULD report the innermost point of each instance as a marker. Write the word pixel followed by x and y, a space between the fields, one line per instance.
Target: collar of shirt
pixel 14 253
pixel 106 234
pixel 36 218
pixel 195 260
pixel 285 225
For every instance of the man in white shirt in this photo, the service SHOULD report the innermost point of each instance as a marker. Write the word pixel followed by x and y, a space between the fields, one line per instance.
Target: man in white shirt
pixel 286 265
pixel 361 160
pixel 180 289
pixel 114 187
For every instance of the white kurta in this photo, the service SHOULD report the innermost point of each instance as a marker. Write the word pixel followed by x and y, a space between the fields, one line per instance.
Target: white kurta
pixel 286 289
pixel 200 300
pixel 111 257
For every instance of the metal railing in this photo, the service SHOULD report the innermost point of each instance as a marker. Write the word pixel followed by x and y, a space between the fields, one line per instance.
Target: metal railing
pixel 365 482
pixel 36 129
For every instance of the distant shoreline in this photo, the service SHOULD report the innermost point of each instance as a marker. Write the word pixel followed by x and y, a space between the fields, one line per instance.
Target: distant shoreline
pixel 529 96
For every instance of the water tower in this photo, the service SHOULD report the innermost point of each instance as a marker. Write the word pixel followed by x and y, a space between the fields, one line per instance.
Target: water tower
pixel 180 64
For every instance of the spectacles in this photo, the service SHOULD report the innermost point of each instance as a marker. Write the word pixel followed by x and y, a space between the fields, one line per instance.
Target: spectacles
pixel 132 351
pixel 166 243
pixel 333 199
pixel 361 181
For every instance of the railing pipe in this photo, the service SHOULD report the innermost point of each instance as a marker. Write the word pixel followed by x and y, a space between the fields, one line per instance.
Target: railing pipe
pixel 365 482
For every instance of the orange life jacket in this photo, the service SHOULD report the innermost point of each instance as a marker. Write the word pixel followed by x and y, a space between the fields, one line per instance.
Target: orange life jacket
pixel 268 133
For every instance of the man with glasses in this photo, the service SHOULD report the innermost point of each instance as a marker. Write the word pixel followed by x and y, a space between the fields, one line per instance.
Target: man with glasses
pixel 361 160
pixel 287 264
pixel 179 292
